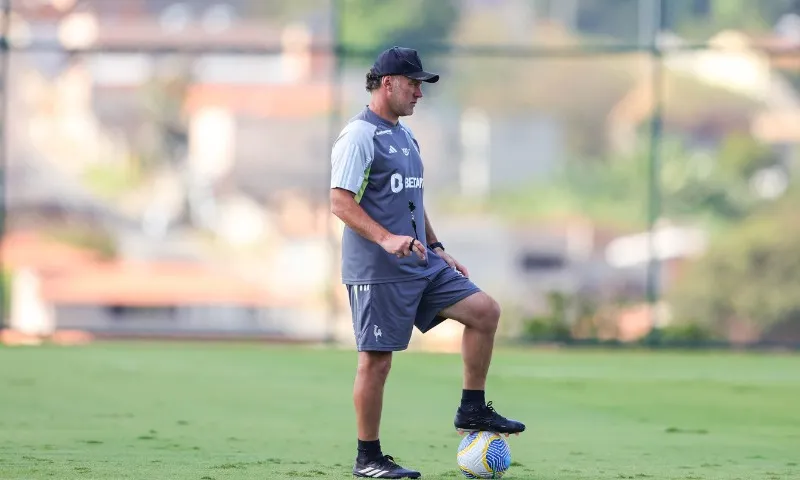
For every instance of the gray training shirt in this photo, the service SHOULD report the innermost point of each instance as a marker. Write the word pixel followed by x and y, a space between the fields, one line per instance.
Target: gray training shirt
pixel 381 164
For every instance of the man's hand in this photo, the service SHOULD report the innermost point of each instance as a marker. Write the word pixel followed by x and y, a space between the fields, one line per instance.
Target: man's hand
pixel 452 261
pixel 402 246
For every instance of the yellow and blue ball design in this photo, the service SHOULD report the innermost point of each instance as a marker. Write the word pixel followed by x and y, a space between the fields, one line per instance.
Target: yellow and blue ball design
pixel 484 455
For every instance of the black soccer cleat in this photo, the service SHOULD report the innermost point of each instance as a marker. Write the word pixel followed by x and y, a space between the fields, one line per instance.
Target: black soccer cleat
pixel 383 467
pixel 484 418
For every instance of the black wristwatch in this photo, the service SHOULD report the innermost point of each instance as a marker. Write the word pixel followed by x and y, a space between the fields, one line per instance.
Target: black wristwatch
pixel 436 245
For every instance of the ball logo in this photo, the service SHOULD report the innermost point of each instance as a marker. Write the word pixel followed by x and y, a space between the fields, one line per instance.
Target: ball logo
pixel 398 183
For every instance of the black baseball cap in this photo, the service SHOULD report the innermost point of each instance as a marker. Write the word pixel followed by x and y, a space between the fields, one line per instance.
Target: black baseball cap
pixel 402 61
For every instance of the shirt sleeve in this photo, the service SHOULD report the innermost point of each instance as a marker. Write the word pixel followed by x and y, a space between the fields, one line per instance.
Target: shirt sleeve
pixel 351 157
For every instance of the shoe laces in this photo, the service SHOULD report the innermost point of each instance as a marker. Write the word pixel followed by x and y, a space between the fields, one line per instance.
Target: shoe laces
pixel 388 461
pixel 489 409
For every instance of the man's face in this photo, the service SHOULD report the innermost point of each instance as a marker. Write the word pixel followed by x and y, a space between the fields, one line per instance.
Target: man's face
pixel 403 93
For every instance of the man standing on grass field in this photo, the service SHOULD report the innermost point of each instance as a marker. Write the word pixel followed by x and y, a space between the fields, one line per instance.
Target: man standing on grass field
pixel 397 273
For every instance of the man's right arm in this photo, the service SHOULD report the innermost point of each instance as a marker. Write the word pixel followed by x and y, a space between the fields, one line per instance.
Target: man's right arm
pixel 344 206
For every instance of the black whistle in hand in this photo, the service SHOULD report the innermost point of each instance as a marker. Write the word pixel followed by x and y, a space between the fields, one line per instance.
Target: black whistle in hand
pixel 411 208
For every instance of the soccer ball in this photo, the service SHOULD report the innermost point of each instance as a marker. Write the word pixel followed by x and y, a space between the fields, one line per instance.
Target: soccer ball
pixel 484 455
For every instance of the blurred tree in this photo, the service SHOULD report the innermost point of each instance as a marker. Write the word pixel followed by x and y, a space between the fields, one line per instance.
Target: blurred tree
pixel 741 156
pixel 5 293
pixel 715 186
pixel 163 98
pixel 694 19
pixel 748 279
pixel 379 24
pixel 701 19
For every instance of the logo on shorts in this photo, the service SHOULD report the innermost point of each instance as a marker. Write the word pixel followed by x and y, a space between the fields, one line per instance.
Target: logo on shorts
pixel 377 332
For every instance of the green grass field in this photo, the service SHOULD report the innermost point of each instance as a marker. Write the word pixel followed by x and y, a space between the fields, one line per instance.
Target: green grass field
pixel 213 411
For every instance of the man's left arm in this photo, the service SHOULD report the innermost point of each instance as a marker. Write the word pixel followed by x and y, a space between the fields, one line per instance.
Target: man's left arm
pixel 431 237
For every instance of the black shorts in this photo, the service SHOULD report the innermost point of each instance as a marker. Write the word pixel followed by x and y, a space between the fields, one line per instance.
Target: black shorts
pixel 384 314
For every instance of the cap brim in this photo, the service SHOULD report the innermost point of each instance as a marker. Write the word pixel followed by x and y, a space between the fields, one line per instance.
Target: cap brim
pixel 424 76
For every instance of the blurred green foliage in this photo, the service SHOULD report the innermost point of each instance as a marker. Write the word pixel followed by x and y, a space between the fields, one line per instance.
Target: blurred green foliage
pixel 698 186
pixel 378 24
pixel 111 181
pixel 554 325
pixel 693 19
pixel 86 237
pixel 746 281
pixel 5 291
pixel 748 278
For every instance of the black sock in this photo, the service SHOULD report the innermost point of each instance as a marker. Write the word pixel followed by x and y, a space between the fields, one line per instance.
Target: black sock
pixel 369 450
pixel 473 397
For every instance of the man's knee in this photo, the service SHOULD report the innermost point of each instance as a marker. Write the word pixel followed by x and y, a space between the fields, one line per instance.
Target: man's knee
pixel 478 312
pixel 490 314
pixel 375 364
pixel 486 314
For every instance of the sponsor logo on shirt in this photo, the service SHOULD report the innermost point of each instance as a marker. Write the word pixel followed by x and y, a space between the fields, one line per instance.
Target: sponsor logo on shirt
pixel 398 182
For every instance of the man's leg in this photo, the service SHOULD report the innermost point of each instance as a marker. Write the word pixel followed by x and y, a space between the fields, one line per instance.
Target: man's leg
pixel 373 369
pixel 480 314
pixel 453 296
pixel 382 323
